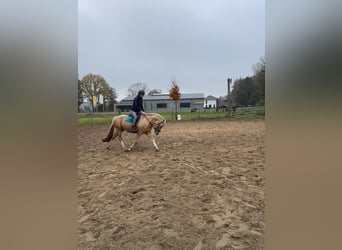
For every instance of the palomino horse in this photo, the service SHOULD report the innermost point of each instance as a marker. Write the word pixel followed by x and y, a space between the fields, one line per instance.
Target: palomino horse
pixel 144 126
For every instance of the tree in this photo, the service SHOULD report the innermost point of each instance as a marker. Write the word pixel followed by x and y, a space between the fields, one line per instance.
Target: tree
pixel 134 88
pixel 259 81
pixel 154 91
pixel 93 86
pixel 174 93
pixel 221 101
pixel 260 66
pixel 251 90
pixel 243 91
pixel 110 99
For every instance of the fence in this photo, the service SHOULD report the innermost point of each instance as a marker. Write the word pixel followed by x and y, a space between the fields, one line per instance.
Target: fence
pixel 240 113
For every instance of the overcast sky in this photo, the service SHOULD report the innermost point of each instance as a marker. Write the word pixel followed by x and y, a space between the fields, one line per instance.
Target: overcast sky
pixel 199 43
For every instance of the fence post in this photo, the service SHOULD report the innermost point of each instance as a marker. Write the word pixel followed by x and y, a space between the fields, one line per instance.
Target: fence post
pixel 229 102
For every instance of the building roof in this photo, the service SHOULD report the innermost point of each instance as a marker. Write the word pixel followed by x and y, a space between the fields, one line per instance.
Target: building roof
pixel 166 97
pixel 210 97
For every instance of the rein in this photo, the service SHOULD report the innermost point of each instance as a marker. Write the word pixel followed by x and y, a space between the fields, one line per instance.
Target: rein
pixel 154 126
pixel 149 120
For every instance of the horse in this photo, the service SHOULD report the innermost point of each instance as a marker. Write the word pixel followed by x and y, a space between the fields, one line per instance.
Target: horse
pixel 145 125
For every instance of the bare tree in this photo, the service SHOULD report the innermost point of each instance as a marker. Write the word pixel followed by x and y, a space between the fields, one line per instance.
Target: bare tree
pixel 154 91
pixel 134 88
pixel 260 66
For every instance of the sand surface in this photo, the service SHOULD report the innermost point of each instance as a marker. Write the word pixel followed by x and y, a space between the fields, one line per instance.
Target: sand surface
pixel 204 189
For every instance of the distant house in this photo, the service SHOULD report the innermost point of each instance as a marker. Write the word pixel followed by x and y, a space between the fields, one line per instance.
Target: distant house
pixel 210 102
pixel 163 103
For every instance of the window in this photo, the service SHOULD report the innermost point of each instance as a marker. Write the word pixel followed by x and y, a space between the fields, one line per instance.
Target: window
pixel 161 105
pixel 185 105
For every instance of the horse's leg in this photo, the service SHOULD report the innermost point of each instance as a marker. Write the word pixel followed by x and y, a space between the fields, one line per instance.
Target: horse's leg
pixel 153 140
pixel 121 140
pixel 135 142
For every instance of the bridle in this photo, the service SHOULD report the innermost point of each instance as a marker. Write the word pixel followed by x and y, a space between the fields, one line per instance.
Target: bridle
pixel 156 126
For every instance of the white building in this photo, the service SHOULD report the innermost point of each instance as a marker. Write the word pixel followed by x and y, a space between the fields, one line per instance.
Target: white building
pixel 210 102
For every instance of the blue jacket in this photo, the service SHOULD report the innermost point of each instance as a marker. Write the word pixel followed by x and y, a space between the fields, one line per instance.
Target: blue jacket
pixel 138 104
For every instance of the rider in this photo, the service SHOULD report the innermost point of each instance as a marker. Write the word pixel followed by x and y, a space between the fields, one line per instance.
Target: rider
pixel 137 109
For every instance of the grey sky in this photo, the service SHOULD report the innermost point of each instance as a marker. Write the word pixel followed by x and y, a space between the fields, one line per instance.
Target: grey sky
pixel 199 43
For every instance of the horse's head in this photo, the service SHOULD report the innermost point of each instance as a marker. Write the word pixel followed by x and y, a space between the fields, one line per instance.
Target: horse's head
pixel 158 126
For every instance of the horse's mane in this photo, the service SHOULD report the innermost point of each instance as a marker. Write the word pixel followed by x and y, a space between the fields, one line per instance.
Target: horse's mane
pixel 155 114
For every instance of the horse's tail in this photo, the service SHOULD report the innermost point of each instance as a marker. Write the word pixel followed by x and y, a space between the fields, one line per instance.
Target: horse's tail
pixel 110 133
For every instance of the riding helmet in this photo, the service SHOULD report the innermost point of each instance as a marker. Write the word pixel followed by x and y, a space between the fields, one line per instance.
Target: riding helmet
pixel 141 92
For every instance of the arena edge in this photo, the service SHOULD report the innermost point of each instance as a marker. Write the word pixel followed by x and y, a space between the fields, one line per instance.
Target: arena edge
pixel 247 113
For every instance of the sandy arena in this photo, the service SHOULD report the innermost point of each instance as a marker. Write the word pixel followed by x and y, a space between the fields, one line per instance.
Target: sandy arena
pixel 204 189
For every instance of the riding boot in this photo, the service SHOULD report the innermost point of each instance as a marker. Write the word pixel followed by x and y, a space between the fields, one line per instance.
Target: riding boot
pixel 134 128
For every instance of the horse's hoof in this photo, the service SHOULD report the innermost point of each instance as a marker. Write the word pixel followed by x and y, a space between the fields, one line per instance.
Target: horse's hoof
pixel 108 147
pixel 127 149
pixel 157 149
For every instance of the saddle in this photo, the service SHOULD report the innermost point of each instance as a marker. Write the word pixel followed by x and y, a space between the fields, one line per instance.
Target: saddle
pixel 129 118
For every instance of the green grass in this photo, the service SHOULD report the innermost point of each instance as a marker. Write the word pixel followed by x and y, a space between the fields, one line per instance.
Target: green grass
pixel 94 119
pixel 240 114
